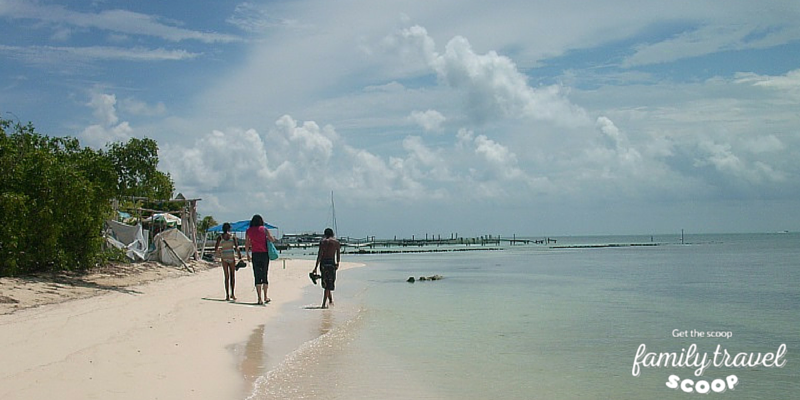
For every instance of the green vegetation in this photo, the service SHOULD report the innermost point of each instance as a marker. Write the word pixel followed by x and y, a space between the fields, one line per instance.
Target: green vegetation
pixel 136 166
pixel 55 196
pixel 205 224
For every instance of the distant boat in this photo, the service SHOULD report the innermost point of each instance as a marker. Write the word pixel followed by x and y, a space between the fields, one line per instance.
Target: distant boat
pixel 299 238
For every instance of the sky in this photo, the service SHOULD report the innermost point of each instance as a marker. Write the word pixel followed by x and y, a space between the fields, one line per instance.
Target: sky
pixel 468 118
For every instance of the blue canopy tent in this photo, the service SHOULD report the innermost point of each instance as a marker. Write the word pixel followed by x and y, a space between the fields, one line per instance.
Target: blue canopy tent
pixel 240 226
pixel 237 228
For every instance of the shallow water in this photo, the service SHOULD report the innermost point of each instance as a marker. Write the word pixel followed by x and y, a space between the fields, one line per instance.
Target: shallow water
pixel 530 322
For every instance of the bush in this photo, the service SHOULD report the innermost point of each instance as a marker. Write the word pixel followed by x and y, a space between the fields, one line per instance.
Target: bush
pixel 55 197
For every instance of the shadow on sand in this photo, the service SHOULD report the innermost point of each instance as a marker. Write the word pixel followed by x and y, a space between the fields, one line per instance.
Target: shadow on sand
pixel 234 302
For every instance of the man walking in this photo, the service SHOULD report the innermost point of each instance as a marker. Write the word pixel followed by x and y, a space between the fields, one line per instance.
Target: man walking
pixel 328 261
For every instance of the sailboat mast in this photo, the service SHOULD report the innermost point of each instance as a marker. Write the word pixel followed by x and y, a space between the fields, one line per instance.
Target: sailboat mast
pixel 333 214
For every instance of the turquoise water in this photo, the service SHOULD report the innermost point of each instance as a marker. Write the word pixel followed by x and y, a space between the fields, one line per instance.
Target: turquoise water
pixel 534 322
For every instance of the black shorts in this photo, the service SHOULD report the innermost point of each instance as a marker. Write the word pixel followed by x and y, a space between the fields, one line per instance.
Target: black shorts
pixel 260 267
pixel 328 270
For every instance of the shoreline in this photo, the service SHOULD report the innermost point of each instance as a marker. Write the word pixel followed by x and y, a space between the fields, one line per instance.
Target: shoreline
pixel 158 333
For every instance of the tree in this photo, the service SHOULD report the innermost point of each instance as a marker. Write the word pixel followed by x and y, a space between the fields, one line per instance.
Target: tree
pixel 136 165
pixel 54 198
pixel 206 223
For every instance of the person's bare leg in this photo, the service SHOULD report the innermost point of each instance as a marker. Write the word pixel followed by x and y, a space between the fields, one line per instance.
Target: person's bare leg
pixel 326 297
pixel 266 299
pixel 232 272
pixel 227 279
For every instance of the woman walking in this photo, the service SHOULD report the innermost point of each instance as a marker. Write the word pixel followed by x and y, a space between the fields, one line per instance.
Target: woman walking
pixel 256 238
pixel 226 246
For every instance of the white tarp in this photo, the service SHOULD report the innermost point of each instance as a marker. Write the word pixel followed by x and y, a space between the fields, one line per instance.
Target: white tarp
pixel 172 247
pixel 128 237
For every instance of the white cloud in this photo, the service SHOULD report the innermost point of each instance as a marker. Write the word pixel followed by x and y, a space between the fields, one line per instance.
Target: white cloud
pixel 723 159
pixel 312 142
pixel 726 137
pixel 221 161
pixel 391 87
pixel 611 131
pixel 56 56
pixel 764 144
pixel 293 161
pixel 232 168
pixel 498 156
pixel 305 152
pixel 369 177
pixel 108 128
pixel 118 21
pixel 255 18
pixel 715 28
pixel 287 162
pixel 414 48
pixel 98 135
pixel 493 86
pixel 429 120
pixel 425 163
pixel 626 155
pixel 493 152
pixel 104 108
pixel 137 107
pixel 300 162
pixel 788 83
pixel 705 40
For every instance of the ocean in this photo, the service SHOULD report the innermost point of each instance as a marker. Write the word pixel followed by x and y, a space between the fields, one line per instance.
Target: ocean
pixel 575 319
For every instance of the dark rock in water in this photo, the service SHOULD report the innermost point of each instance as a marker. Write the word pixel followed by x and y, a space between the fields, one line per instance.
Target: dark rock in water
pixel 424 278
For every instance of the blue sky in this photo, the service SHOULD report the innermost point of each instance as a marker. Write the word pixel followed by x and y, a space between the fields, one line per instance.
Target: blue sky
pixel 437 117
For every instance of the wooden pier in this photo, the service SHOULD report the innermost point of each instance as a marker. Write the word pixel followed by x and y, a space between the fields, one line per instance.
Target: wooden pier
pixel 372 244
pixel 432 241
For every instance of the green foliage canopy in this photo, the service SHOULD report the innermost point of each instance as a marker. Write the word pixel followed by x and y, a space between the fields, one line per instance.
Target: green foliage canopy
pixel 55 196
pixel 136 164
pixel 206 223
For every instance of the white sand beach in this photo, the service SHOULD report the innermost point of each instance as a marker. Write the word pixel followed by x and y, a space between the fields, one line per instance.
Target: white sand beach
pixel 157 333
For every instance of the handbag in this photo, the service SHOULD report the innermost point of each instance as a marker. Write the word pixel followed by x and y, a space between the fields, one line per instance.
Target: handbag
pixel 273 252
